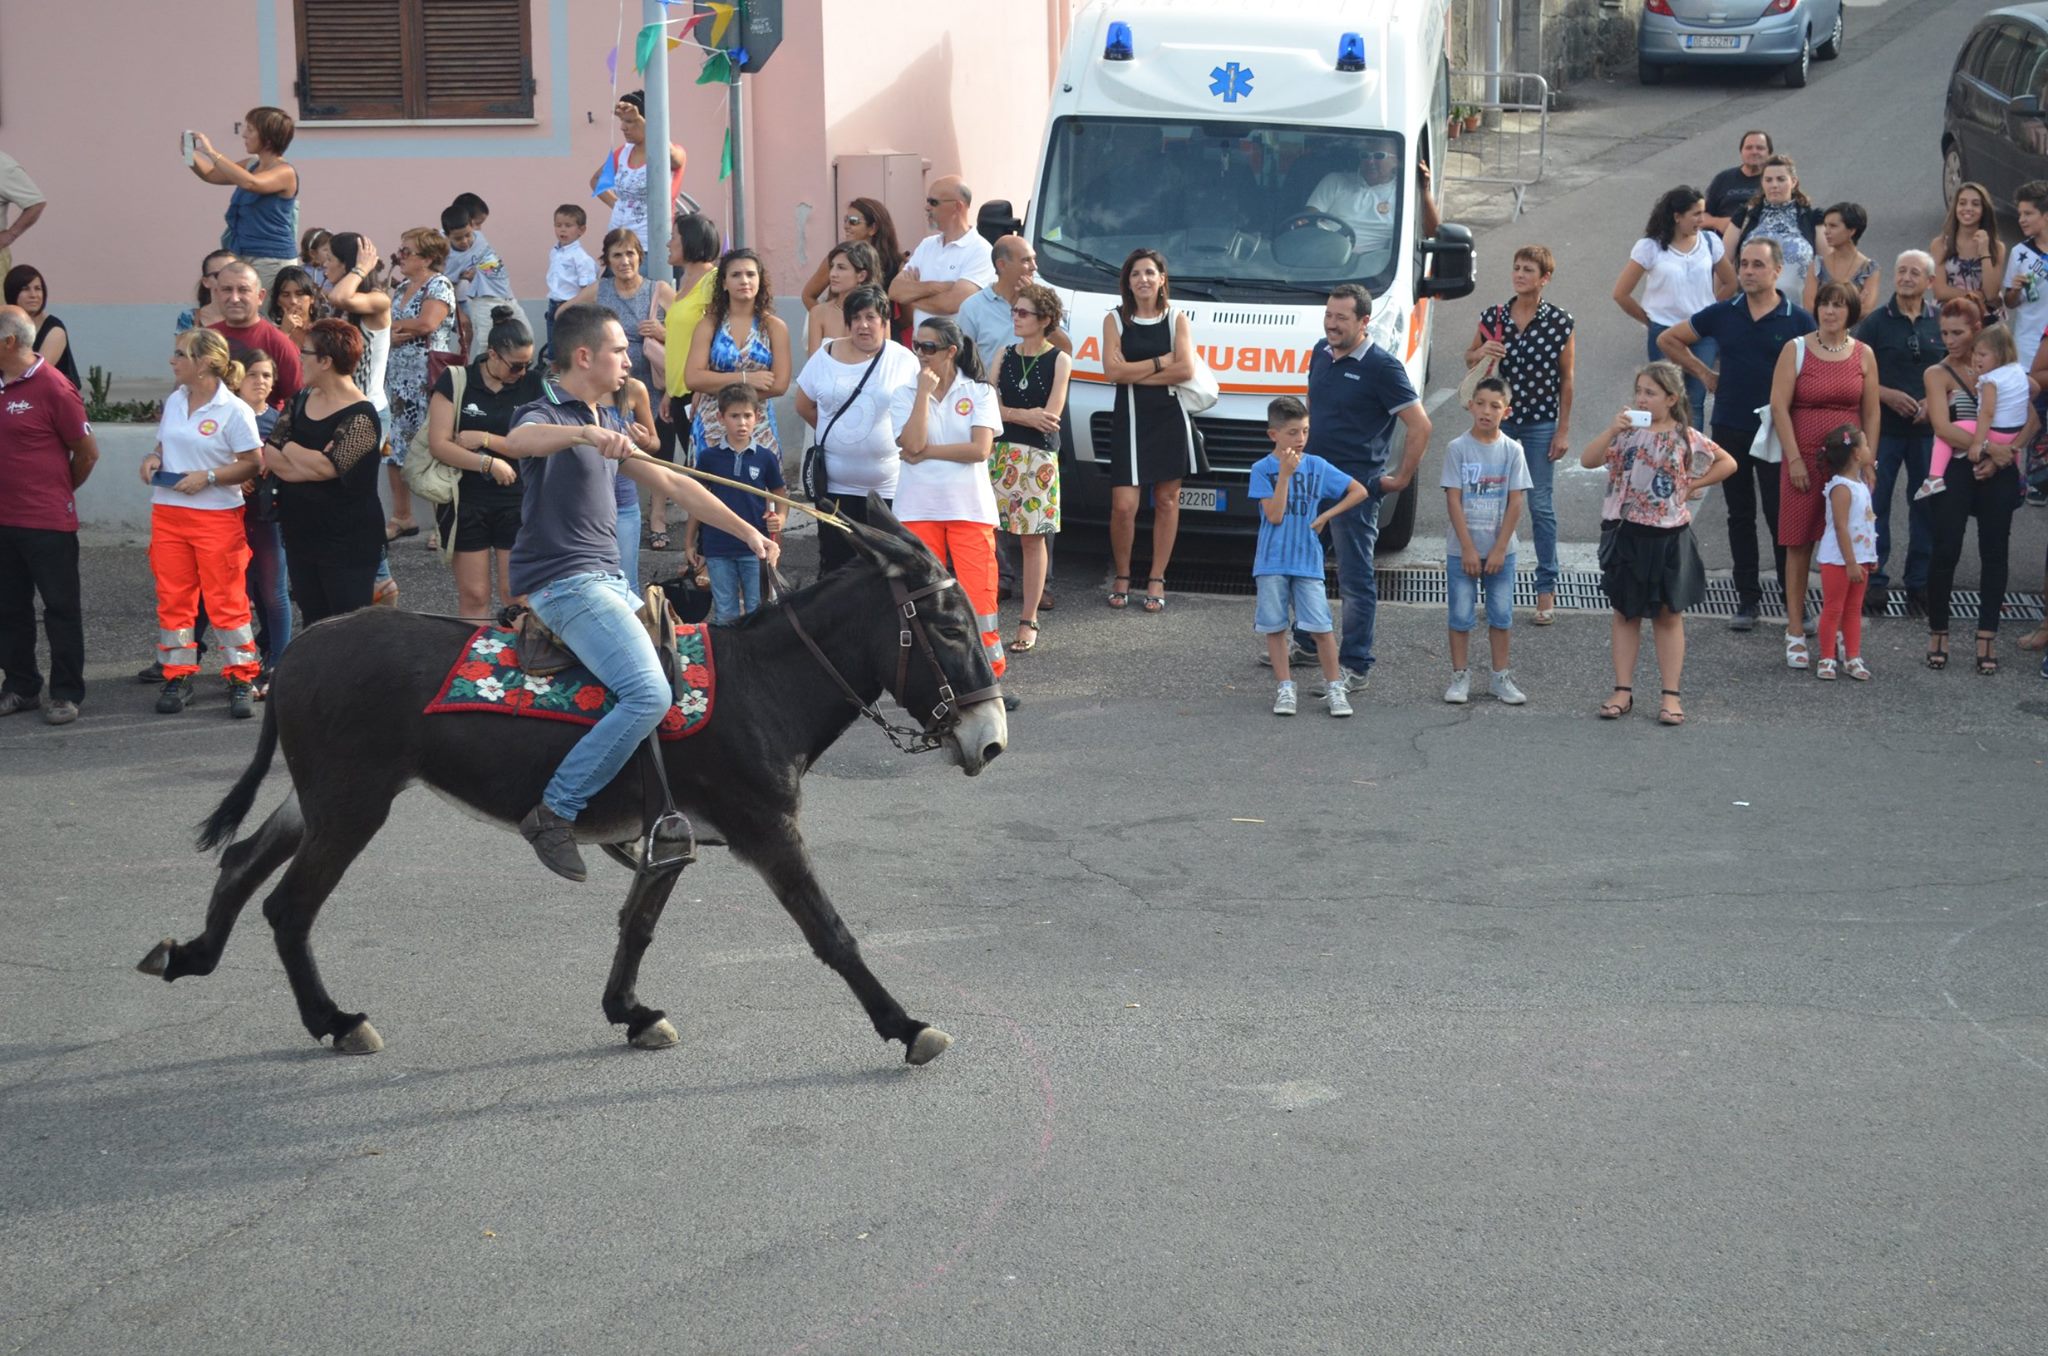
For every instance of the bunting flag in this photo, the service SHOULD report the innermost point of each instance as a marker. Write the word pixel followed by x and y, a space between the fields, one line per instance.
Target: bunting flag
pixel 611 66
pixel 722 15
pixel 608 176
pixel 645 46
pixel 725 158
pixel 717 69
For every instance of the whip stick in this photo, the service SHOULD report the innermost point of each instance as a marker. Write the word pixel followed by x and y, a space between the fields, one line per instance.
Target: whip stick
pixel 820 514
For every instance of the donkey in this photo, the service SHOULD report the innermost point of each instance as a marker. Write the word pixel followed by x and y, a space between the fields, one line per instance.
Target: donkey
pixel 347 708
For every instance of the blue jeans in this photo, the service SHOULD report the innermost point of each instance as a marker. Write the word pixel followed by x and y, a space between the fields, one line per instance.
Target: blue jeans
pixel 1535 439
pixel 1353 534
pixel 1912 453
pixel 735 587
pixel 629 544
pixel 1462 590
pixel 268 594
pixel 1706 350
pixel 594 616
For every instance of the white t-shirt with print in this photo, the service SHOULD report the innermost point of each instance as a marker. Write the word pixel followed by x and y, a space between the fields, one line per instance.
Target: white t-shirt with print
pixel 1675 285
pixel 2027 269
pixel 861 456
pixel 205 439
pixel 949 491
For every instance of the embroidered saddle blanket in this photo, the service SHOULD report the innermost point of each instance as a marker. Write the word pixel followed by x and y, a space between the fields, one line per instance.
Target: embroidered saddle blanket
pixel 487 676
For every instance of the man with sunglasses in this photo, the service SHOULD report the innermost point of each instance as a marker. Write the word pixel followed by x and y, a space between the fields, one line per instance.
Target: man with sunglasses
pixel 948 267
pixel 1368 200
pixel 1905 334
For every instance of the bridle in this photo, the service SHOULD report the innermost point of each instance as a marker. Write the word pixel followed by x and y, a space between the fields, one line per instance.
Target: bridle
pixel 945 717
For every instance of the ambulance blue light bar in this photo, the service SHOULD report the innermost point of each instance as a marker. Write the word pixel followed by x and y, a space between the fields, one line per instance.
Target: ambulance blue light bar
pixel 1118 47
pixel 1351 53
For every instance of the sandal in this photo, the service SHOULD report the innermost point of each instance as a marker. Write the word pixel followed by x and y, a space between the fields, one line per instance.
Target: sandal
pixel 1021 645
pixel 395 530
pixel 658 541
pixel 2035 640
pixel 1546 613
pixel 1796 655
pixel 1614 710
pixel 1937 650
pixel 1667 716
pixel 1825 671
pixel 1987 654
pixel 1118 598
pixel 1151 602
pixel 1858 670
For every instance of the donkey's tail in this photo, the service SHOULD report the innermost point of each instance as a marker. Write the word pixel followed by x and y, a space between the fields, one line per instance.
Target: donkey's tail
pixel 219 827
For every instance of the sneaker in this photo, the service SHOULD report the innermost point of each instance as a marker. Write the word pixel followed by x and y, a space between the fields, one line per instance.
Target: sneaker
pixel 2036 498
pixel 1504 688
pixel 1284 702
pixel 1929 488
pixel 151 676
pixel 1460 690
pixel 1296 656
pixel 241 699
pixel 13 703
pixel 1338 701
pixel 60 713
pixel 1745 617
pixel 173 699
pixel 1352 682
pixel 554 842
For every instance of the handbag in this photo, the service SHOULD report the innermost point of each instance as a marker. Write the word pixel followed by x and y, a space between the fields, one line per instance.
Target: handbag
pixel 1765 447
pixel 1488 366
pixel 431 478
pixel 812 475
pixel 261 503
pixel 1200 391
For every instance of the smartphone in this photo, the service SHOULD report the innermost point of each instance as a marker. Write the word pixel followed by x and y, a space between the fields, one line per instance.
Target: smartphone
pixel 1638 418
pixel 186 145
pixel 167 480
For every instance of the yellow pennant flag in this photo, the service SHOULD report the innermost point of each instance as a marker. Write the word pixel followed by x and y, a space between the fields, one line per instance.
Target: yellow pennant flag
pixel 721 18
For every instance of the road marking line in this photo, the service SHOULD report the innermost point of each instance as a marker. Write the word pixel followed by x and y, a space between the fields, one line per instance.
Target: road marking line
pixel 880 941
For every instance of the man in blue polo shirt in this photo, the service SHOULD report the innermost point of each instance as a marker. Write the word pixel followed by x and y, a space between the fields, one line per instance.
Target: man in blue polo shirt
pixel 1751 327
pixel 1357 392
pixel 566 560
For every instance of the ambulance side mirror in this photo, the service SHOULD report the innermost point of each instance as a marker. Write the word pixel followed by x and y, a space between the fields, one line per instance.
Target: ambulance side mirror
pixel 1449 257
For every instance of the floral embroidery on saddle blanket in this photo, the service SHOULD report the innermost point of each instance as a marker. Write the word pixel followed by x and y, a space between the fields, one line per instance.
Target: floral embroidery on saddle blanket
pixel 488 677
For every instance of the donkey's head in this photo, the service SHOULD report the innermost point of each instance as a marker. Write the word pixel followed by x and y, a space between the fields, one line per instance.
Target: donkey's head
pixel 941 674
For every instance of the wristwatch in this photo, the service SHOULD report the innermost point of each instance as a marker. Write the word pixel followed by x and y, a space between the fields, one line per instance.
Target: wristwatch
pixel 212 478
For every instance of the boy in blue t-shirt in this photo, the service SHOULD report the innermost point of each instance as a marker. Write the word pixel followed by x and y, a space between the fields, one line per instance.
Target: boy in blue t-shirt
pixel 735 573
pixel 1288 567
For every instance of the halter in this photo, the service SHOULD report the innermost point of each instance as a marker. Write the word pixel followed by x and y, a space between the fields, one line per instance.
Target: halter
pixel 945 716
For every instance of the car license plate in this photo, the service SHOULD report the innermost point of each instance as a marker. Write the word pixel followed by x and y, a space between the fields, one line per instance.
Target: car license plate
pixel 1714 44
pixel 1209 501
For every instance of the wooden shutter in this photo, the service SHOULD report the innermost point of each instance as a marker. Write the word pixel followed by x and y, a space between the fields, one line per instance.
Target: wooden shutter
pixel 352 59
pixel 417 59
pixel 475 59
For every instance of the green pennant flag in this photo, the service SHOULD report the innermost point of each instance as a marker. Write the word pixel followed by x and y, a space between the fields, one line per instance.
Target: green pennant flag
pixel 725 158
pixel 717 70
pixel 646 45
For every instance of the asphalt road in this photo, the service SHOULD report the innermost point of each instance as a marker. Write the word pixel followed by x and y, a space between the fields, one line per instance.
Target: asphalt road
pixel 1473 1030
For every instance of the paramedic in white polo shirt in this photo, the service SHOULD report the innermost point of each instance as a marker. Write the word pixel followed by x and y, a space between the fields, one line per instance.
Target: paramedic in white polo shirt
pixel 1368 201
pixel 948 268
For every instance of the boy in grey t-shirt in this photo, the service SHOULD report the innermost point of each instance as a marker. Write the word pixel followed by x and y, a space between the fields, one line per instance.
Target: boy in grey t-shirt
pixel 1485 480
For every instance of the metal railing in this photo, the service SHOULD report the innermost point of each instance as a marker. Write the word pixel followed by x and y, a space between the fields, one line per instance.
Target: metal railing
pixel 1507 147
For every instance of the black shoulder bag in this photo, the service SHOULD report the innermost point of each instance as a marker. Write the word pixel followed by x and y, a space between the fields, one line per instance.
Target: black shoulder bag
pixel 812 477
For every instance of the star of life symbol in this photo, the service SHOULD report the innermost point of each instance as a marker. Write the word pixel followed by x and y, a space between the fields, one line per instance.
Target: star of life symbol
pixel 1231 82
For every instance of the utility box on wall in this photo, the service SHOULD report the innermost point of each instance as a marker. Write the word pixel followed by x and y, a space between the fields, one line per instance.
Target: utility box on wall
pixel 893 178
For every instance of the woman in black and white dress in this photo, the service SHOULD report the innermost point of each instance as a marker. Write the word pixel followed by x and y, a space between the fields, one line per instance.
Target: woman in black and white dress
pixel 1147 348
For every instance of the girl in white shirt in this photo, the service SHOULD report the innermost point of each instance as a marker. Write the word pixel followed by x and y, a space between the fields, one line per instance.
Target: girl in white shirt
pixel 943 493
pixel 1848 551
pixel 206 447
pixel 1682 269
pixel 2004 405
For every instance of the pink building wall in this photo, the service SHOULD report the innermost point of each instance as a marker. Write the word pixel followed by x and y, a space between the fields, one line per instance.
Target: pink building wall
pixel 963 84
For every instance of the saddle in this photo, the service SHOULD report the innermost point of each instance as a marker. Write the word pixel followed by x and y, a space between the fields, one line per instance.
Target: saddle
pixel 543 654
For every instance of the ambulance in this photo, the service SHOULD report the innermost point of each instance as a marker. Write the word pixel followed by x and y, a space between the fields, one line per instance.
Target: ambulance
pixel 1268 149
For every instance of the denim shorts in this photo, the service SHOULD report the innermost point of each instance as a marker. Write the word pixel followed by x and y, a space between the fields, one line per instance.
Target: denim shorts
pixel 1463 590
pixel 1277 592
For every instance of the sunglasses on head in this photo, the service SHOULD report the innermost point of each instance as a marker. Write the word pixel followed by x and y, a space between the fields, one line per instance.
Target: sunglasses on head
pixel 929 346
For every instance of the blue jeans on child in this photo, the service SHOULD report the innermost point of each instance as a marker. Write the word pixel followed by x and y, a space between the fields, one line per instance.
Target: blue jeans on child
pixel 594 614
pixel 269 595
pixel 1463 590
pixel 735 587
pixel 1278 593
pixel 1535 439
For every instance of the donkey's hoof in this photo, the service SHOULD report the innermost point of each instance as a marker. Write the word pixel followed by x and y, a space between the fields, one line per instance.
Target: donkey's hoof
pixel 159 957
pixel 362 1039
pixel 929 1045
pixel 659 1036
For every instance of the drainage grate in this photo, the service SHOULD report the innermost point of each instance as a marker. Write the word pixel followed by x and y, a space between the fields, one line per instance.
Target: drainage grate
pixel 1577 591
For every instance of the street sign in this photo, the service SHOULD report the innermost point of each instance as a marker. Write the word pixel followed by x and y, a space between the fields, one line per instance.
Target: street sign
pixel 756 25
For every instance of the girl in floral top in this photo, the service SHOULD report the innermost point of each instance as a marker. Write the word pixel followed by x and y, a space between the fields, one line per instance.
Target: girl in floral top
pixel 1649 562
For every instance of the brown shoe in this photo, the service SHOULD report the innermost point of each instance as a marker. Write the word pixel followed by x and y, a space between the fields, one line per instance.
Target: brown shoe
pixel 554 842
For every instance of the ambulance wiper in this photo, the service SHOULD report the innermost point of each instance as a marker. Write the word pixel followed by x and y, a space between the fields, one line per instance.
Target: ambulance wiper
pixel 1181 281
pixel 1080 256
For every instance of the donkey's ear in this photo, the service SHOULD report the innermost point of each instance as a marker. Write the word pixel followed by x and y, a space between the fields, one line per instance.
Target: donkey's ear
pixel 890 553
pixel 883 520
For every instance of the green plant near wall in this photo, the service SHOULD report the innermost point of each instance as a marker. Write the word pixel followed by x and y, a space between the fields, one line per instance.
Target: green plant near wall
pixel 102 408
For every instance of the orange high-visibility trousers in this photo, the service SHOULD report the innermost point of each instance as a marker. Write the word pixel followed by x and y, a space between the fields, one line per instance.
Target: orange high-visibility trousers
pixel 969 551
pixel 198 553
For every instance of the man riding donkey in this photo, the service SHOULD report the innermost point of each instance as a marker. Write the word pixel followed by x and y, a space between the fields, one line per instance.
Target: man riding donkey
pixel 566 560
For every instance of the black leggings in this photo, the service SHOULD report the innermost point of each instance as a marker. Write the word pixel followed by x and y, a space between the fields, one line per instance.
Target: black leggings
pixel 329 588
pixel 1991 502
pixel 833 548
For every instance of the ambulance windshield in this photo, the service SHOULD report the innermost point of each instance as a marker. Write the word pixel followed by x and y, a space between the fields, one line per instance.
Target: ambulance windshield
pixel 1243 212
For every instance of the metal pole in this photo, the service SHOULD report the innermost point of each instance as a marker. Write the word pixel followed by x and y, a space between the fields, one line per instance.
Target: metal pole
pixel 660 207
pixel 737 121
pixel 1491 94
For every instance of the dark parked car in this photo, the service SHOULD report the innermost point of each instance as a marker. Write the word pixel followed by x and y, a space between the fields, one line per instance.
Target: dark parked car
pixel 1993 130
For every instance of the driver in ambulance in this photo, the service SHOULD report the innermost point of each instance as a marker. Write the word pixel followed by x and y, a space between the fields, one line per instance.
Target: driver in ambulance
pixel 1368 201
